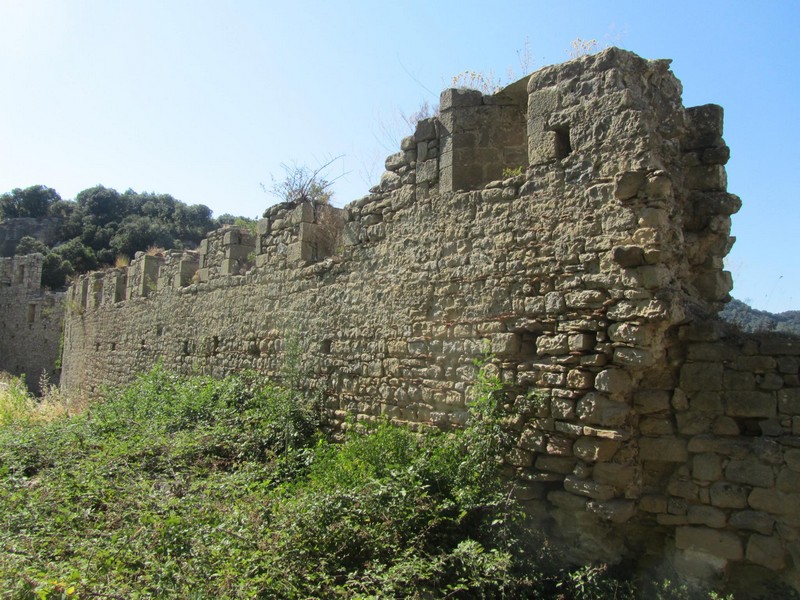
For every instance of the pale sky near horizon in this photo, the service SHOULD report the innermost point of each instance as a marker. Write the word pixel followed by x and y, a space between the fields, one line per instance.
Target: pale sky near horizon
pixel 206 100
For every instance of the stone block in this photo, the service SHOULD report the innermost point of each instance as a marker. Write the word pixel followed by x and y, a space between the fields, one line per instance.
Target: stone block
pixel 588 488
pixel 706 515
pixel 693 422
pixel 789 401
pixel 562 408
pixel 616 475
pixel 701 377
pixel 773 501
pixel 616 511
pixel 555 464
pixel 663 449
pixel 728 495
pixel 723 544
pixel 532 440
pixel 598 409
pixel 633 357
pixel 750 472
pixel 580 379
pixel 555 345
pixel 504 344
pixel 705 124
pixel 656 426
pixel 613 381
pixel 766 551
pixel 454 98
pixel 706 466
pixel 653 503
pixel 707 178
pixel 792 458
pixel 648 402
pixel 595 449
pixel 751 404
pixel 627 184
pixel 753 520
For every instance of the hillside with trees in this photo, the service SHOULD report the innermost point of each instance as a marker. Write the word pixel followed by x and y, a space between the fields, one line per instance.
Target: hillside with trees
pixel 753 320
pixel 102 227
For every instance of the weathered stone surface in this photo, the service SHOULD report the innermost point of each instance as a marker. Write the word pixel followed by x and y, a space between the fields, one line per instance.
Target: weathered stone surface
pixel 773 501
pixel 663 449
pixel 750 472
pixel 753 520
pixel 728 495
pixel 595 449
pixel 715 542
pixel 588 488
pixel 706 515
pixel 766 551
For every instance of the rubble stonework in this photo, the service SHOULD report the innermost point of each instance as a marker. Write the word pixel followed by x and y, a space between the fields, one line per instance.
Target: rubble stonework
pixel 32 321
pixel 644 427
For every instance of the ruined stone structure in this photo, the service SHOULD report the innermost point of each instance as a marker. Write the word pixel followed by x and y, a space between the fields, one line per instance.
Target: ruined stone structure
pixel 31 323
pixel 645 428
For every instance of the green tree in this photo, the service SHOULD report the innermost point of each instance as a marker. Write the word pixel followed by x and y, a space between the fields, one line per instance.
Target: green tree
pixel 81 257
pixel 33 201
pixel 55 271
pixel 30 245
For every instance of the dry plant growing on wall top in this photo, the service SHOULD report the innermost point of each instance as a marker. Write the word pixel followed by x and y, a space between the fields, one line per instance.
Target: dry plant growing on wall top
pixel 302 184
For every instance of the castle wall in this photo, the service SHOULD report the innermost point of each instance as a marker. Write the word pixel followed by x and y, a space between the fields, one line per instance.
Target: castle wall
pixel 592 281
pixel 32 321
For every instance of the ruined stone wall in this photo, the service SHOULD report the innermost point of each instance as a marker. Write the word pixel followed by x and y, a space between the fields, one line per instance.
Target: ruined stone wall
pixel 590 280
pixel 31 321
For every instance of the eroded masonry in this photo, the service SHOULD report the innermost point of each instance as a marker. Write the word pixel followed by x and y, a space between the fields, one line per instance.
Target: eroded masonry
pixel 645 427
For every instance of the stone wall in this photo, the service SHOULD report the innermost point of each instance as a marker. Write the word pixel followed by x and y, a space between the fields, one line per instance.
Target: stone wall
pixel 32 321
pixel 643 430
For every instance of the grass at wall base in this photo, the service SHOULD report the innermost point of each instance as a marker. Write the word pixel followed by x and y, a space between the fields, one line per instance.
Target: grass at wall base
pixel 189 487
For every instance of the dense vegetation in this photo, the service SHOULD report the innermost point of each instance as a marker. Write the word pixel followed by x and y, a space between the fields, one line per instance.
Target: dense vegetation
pixel 192 487
pixel 753 320
pixel 102 225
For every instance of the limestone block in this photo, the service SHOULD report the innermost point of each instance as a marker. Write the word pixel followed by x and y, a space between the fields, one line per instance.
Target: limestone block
pixel 504 344
pixel 532 440
pixel 792 458
pixel 629 333
pixel 595 449
pixel 581 342
pixel 751 404
pixel 707 178
pixel 705 124
pixel 518 457
pixel 753 520
pixel 693 422
pixel 552 344
pixel 556 464
pixel 707 466
pixel 656 426
pixel 706 515
pixel 663 449
pixel 427 171
pixel 559 445
pixel 543 102
pixel 653 503
pixel 563 408
pixel 633 357
pixel 649 402
pixel 598 409
pixel 766 551
pixel 616 511
pixel 750 472
pixel 724 544
pixel 616 475
pixel 454 98
pixel 229 267
pixel 585 299
pixel 588 488
pixel 701 376
pixel 628 184
pixel 613 381
pixel 789 401
pixel 773 501
pixel 580 379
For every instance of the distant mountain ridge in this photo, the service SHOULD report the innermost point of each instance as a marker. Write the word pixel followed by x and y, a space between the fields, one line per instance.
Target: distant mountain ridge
pixel 752 320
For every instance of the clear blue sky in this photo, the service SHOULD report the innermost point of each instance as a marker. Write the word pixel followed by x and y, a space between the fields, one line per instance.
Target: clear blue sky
pixel 205 99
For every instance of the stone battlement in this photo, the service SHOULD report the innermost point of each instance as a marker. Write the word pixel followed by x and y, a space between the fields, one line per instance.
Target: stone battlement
pixel 644 428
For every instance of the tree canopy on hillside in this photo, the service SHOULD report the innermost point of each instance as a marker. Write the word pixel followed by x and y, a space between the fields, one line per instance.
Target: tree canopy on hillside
pixel 102 224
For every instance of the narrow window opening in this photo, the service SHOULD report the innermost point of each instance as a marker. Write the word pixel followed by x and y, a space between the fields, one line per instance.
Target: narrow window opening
pixel 31 313
pixel 325 347
pixel 563 146
pixel 185 348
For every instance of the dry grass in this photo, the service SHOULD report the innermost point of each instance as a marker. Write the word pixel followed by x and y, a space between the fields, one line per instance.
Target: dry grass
pixel 17 404
pixel 155 251
pixel 122 261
